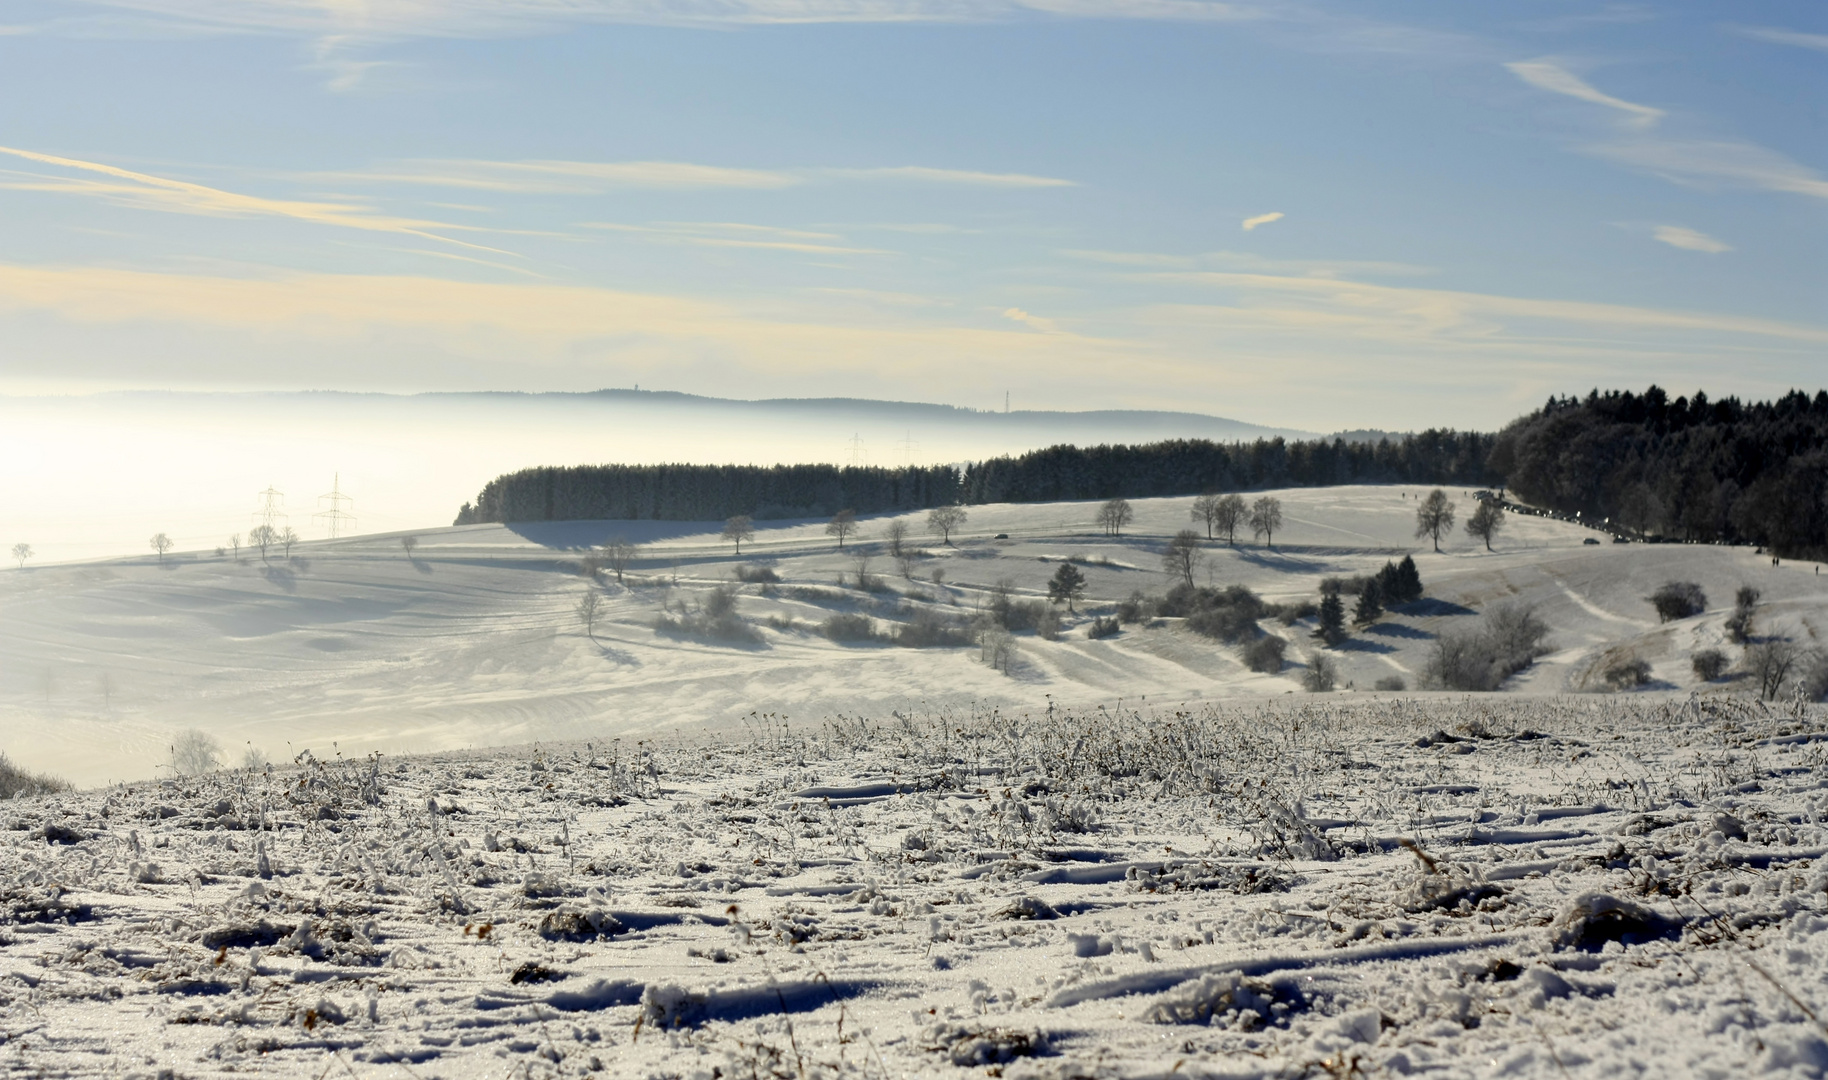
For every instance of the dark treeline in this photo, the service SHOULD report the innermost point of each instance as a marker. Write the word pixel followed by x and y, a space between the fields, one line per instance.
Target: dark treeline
pixel 1180 467
pixel 1192 466
pixel 1690 469
pixel 707 492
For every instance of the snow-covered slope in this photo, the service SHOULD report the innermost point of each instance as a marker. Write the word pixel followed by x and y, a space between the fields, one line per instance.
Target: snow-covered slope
pixel 472 639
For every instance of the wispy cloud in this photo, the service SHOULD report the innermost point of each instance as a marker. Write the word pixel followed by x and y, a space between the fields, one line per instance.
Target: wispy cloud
pixel 1778 36
pixel 564 177
pixel 1707 163
pixel 1321 268
pixel 143 190
pixel 1689 239
pixel 923 174
pixel 1034 322
pixel 1261 219
pixel 1547 74
pixel 723 234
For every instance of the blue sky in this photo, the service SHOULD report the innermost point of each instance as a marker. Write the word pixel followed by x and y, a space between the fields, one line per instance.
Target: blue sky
pixel 1306 215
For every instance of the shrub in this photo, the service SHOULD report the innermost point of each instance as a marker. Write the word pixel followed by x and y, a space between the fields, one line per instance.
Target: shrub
pixel 1048 625
pixel 1678 600
pixel 1627 673
pixel 714 617
pixel 997 649
pixel 1264 655
pixel 1739 624
pixel 1290 614
pixel 17 783
pixel 786 624
pixel 1321 676
pixel 1392 682
pixel 1770 664
pixel 757 575
pixel 1709 664
pixel 1017 615
pixel 1103 627
pixel 194 752
pixel 1228 614
pixel 1138 608
pixel 1348 586
pixel 929 629
pixel 849 627
pixel 1509 639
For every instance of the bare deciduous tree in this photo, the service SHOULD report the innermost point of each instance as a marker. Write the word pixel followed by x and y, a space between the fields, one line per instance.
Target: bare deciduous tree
pixel 1434 517
pixel 23 552
pixel 1114 515
pixel 1266 518
pixel 1770 664
pixel 1206 509
pixel 287 537
pixel 1485 522
pixel 1183 556
pixel 586 610
pixel 618 553
pixel 897 534
pixel 944 519
pixel 195 752
pixel 161 544
pixel 234 543
pixel 409 544
pixel 1230 516
pixel 736 530
pixel 263 537
pixel 842 524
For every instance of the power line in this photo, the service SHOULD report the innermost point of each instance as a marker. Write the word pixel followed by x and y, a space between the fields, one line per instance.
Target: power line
pixel 337 521
pixel 271 509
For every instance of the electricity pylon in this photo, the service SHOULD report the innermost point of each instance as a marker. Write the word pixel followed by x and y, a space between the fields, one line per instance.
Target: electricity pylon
pixel 336 520
pixel 858 454
pixel 272 512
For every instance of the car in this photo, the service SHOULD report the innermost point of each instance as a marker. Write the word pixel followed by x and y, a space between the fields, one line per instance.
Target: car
pixel 1000 536
pixel 1590 540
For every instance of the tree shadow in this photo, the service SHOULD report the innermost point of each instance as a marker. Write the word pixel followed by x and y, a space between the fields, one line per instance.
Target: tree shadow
pixel 1354 644
pixel 419 564
pixel 1277 559
pixel 1429 606
pixel 610 652
pixel 280 576
pixel 1398 630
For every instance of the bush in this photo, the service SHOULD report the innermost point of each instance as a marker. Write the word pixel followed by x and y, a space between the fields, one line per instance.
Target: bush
pixel 1048 625
pixel 715 617
pixel 1509 640
pixel 194 752
pixel 1627 673
pixel 1228 614
pixel 757 575
pixel 1392 682
pixel 1709 664
pixel 1264 655
pixel 1290 614
pixel 1348 586
pixel 849 627
pixel 1018 615
pixel 1138 608
pixel 1321 676
pixel 929 629
pixel 17 783
pixel 1103 627
pixel 1739 624
pixel 1678 600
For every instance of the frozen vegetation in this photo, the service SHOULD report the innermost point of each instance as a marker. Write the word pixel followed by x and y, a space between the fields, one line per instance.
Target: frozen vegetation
pixel 1573 886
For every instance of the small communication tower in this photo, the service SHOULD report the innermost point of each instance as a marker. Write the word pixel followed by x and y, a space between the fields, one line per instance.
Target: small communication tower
pixel 336 519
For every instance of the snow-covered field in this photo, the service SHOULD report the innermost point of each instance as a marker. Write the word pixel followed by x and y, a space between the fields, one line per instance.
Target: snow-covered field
pixel 1512 886
pixel 648 853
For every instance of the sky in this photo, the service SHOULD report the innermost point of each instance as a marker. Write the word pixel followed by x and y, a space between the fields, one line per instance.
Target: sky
pixel 1311 215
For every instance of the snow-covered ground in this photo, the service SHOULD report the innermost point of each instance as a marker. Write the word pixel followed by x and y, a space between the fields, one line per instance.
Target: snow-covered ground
pixel 1304 886
pixel 472 639
pixel 646 853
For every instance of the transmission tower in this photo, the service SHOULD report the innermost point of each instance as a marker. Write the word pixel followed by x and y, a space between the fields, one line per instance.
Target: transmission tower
pixel 909 449
pixel 857 453
pixel 272 512
pixel 336 520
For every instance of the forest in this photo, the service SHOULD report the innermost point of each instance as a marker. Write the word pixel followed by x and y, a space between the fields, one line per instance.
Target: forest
pixel 1691 469
pixel 1687 470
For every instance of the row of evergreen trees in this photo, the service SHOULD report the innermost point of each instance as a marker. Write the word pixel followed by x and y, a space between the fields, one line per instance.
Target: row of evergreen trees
pixel 1177 467
pixel 1688 469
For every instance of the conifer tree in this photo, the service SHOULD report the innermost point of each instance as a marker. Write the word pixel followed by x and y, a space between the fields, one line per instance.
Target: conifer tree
pixel 1067 584
pixel 1332 628
pixel 1370 605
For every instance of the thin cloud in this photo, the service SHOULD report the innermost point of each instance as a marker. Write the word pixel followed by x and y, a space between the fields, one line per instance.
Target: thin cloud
pixel 1546 74
pixel 566 177
pixel 1689 239
pixel 723 234
pixel 1704 164
pixel 1778 36
pixel 1261 219
pixel 1035 322
pixel 923 174
pixel 1323 268
pixel 146 191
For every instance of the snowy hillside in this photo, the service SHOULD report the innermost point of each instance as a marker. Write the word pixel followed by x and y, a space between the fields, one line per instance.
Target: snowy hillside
pixel 472 638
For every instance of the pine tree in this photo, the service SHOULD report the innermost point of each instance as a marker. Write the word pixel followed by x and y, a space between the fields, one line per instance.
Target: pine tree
pixel 1370 605
pixel 1332 628
pixel 1067 584
pixel 1408 581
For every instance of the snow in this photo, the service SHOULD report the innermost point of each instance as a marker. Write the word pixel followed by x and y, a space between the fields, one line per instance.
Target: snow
pixel 493 844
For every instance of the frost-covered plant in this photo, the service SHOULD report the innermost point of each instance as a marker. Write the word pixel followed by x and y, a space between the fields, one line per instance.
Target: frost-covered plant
pixel 1628 672
pixel 1709 664
pixel 1321 676
pixel 16 782
pixel 1509 639
pixel 1678 600
pixel 194 752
